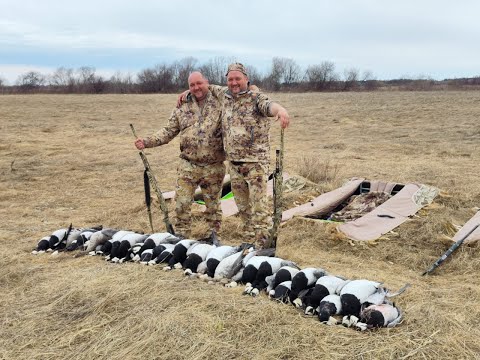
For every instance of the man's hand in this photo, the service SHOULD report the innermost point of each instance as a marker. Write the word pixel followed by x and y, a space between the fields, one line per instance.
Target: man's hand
pixel 281 114
pixel 284 118
pixel 139 144
pixel 182 98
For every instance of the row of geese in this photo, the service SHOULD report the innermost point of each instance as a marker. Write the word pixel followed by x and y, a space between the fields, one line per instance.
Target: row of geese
pixel 362 304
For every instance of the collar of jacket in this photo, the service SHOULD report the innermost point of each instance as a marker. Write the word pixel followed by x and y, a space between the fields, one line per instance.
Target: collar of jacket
pixel 192 99
pixel 230 95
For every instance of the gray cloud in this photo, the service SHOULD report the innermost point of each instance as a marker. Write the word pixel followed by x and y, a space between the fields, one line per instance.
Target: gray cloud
pixel 389 38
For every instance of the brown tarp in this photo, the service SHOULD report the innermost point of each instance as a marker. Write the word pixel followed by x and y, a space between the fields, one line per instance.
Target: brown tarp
pixel 169 195
pixel 324 203
pixel 229 207
pixel 470 224
pixel 385 217
pixel 382 186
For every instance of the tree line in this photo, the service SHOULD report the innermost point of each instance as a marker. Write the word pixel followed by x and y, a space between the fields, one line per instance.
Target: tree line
pixel 284 75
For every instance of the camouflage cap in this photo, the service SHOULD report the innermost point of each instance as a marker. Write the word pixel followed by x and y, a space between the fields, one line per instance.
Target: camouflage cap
pixel 237 67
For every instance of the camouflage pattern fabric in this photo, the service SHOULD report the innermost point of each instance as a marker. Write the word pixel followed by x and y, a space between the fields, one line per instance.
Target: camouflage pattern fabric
pixel 199 129
pixel 201 158
pixel 237 67
pixel 425 195
pixel 245 125
pixel 246 140
pixel 360 205
pixel 249 186
pixel 210 179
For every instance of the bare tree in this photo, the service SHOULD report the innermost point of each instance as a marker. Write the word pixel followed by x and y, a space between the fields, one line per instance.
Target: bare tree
pixel 147 81
pixel 421 82
pixel 165 75
pixel 350 79
pixel 284 72
pixel 274 79
pixel 2 83
pixel 63 79
pixel 98 85
pixel 121 83
pixel 369 81
pixel 183 68
pixel 30 81
pixel 321 77
pixel 158 79
pixel 215 69
pixel 276 72
pixel 85 79
pixel 254 76
pixel 291 72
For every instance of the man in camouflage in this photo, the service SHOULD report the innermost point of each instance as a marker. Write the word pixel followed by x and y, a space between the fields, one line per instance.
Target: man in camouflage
pixel 246 140
pixel 201 153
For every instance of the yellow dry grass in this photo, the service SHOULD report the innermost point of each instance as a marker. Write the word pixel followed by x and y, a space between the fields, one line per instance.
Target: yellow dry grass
pixel 71 159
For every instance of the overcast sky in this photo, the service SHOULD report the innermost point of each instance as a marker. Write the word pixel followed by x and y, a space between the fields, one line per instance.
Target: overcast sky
pixel 392 39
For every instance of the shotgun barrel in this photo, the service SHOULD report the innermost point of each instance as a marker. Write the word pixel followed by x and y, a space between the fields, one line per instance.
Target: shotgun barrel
pixel 277 192
pixel 452 248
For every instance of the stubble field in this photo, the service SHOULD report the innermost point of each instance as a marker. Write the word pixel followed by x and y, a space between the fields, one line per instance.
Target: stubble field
pixel 70 159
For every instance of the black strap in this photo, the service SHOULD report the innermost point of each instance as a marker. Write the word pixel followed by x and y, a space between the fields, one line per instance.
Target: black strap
pixel 146 186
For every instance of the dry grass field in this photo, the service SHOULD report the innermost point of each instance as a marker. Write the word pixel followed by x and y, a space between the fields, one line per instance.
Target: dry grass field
pixel 70 158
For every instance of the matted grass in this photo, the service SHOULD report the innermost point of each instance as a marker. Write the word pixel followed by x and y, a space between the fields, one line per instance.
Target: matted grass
pixel 70 158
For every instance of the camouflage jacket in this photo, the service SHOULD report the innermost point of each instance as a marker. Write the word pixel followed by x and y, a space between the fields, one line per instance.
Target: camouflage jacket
pixel 199 129
pixel 245 126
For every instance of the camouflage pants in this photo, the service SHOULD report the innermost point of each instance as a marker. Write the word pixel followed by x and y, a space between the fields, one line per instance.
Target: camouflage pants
pixel 249 186
pixel 210 180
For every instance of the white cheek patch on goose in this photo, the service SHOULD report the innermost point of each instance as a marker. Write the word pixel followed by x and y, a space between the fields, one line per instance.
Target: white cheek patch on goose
pixel 254 292
pixel 282 292
pixel 145 257
pixel 188 272
pixel 248 289
pixel 231 284
pixel 329 306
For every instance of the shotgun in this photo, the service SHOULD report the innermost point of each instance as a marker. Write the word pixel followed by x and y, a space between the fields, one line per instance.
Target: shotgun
pixel 454 247
pixel 153 182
